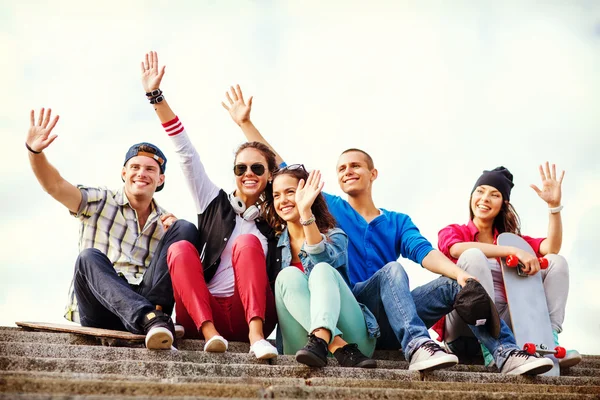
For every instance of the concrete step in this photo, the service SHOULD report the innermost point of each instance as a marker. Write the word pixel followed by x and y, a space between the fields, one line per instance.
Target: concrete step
pixel 251 387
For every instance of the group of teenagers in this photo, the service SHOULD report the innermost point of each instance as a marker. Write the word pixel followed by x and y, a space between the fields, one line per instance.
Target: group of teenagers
pixel 278 251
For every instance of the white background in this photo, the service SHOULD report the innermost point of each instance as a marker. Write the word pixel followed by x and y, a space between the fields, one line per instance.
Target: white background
pixel 436 91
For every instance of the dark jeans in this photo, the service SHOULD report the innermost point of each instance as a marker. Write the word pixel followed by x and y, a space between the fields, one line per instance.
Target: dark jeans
pixel 404 316
pixel 106 300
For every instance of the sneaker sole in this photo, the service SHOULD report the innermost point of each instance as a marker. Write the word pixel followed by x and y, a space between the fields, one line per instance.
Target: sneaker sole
pixel 537 368
pixel 308 358
pixel 569 362
pixel 431 365
pixel 216 346
pixel 159 339
pixel 266 356
pixel 366 364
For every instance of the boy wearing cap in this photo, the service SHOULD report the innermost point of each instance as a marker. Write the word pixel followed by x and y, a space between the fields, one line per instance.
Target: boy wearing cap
pixel 377 237
pixel 121 278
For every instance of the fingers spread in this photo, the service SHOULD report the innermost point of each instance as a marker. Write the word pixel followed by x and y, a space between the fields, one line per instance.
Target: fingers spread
pixel 40 117
pixel 238 90
pixel 53 123
pixel 233 93
pixel 542 173
pixel 225 106
pixel 229 98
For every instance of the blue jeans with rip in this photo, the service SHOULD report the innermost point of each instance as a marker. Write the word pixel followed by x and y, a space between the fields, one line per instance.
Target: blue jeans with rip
pixel 106 300
pixel 404 316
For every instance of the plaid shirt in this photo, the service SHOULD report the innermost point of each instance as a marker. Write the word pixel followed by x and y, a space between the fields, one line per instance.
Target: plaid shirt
pixel 109 224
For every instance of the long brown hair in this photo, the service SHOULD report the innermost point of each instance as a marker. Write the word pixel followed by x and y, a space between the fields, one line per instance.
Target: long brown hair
pixel 269 155
pixel 323 217
pixel 507 219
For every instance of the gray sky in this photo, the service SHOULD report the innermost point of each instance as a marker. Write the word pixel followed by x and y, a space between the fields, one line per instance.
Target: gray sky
pixel 435 91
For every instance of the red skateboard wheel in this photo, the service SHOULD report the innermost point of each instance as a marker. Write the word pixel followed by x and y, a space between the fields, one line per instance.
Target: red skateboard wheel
pixel 543 262
pixel 512 261
pixel 561 352
pixel 529 348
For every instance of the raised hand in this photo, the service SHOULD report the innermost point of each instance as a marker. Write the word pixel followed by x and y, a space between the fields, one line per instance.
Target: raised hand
pixel 151 74
pixel 551 186
pixel 40 134
pixel 307 192
pixel 238 109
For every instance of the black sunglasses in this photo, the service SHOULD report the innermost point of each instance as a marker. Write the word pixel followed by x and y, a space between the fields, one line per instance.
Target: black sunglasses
pixel 240 169
pixel 292 167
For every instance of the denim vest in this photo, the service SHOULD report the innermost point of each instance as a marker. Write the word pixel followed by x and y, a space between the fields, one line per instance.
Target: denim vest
pixel 333 250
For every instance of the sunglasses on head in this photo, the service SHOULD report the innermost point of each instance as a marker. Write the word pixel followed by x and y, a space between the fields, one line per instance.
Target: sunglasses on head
pixel 240 169
pixel 292 167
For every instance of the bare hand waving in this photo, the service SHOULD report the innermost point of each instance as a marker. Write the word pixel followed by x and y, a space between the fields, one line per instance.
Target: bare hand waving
pixel 551 186
pixel 151 74
pixel 40 134
pixel 238 109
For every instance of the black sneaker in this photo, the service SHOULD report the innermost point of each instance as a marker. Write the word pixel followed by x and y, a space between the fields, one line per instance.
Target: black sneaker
pixel 314 354
pixel 159 329
pixel 350 356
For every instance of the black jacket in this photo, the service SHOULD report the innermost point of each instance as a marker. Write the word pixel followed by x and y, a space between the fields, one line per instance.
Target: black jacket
pixel 215 227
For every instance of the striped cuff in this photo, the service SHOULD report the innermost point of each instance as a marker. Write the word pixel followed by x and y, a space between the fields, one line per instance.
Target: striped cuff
pixel 173 127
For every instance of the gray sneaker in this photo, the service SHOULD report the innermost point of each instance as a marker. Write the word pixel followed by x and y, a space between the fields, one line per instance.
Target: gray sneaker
pixel 522 363
pixel 429 357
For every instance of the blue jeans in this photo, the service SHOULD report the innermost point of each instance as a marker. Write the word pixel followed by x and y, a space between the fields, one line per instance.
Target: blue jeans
pixel 405 316
pixel 106 300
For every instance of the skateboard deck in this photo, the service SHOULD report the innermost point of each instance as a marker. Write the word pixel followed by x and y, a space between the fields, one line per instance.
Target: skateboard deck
pixel 527 303
pixel 106 337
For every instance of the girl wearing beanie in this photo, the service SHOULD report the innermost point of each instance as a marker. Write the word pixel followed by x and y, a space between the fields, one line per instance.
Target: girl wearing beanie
pixel 473 248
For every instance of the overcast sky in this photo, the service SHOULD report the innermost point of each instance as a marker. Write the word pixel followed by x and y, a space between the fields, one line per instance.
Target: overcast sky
pixel 436 91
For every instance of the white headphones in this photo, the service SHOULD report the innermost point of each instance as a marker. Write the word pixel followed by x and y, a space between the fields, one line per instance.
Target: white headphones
pixel 249 214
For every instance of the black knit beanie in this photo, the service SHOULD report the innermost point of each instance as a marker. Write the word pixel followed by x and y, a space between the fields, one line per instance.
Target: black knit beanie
pixel 500 178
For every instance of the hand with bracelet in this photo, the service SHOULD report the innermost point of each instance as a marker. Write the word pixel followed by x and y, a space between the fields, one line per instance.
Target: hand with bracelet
pixel 40 134
pixel 551 187
pixel 306 194
pixel 151 77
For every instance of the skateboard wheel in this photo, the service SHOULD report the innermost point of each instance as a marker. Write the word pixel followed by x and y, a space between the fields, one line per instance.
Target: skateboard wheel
pixel 543 262
pixel 512 261
pixel 561 352
pixel 529 348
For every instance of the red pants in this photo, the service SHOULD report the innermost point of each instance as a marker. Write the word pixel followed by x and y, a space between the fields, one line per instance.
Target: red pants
pixel 252 297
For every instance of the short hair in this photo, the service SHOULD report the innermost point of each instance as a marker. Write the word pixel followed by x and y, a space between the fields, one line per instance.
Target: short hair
pixel 370 163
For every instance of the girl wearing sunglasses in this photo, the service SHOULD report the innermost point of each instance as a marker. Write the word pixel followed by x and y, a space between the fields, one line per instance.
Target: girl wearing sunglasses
pixel 221 283
pixel 472 247
pixel 312 290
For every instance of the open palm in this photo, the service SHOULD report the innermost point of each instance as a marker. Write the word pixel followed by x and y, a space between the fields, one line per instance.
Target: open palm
pixel 40 134
pixel 151 74
pixel 308 191
pixel 238 109
pixel 551 186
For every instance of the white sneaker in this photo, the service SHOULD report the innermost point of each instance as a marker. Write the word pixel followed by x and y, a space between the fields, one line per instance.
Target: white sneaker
pixel 263 350
pixel 570 359
pixel 430 356
pixel 216 344
pixel 159 338
pixel 522 363
pixel 179 331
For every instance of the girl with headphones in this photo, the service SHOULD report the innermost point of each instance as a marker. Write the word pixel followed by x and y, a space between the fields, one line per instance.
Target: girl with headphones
pixel 222 283
pixel 312 291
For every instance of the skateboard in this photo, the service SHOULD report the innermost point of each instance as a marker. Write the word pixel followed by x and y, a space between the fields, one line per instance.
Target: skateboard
pixel 106 337
pixel 527 304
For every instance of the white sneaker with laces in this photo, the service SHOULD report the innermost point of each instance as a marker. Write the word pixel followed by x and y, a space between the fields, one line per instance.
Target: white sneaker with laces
pixel 179 331
pixel 522 363
pixel 216 344
pixel 431 356
pixel 263 350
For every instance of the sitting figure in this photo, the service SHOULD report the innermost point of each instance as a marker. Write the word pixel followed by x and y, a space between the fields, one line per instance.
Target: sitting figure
pixel 121 278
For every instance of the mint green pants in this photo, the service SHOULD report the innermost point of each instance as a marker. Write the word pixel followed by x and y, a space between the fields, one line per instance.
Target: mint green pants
pixel 322 300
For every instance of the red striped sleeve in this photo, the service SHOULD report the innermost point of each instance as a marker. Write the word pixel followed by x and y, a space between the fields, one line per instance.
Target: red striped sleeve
pixel 173 127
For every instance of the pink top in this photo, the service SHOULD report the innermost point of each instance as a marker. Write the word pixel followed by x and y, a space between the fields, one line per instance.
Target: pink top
pixel 455 233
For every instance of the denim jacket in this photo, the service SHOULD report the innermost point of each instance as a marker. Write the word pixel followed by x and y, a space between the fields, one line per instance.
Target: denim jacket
pixel 333 250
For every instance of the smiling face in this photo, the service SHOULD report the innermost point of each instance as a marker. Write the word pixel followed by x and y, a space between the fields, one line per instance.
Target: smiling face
pixel 486 202
pixel 249 184
pixel 354 175
pixel 142 176
pixel 284 197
